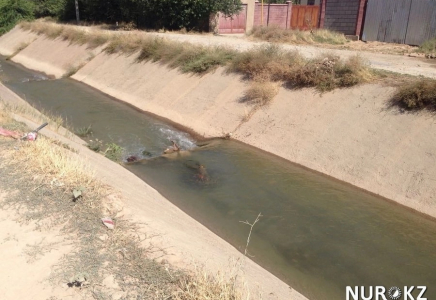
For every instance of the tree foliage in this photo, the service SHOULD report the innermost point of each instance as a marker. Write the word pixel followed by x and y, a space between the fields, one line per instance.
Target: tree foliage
pixel 49 8
pixel 13 11
pixel 156 14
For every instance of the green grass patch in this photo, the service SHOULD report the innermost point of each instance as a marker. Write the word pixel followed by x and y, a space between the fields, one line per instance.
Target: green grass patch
pixel 113 152
pixel 84 131
pixel 428 47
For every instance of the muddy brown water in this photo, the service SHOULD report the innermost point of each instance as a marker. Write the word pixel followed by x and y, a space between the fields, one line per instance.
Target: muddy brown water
pixel 317 234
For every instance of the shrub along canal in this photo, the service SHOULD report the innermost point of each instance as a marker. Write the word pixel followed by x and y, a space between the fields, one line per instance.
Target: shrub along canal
pixel 317 234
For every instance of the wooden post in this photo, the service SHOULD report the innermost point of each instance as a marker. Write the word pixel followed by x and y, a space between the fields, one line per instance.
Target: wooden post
pixel 360 20
pixel 261 14
pixel 77 11
pixel 322 13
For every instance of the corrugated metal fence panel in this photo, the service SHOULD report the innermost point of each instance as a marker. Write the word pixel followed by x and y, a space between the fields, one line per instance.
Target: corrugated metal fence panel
pixel 422 22
pixel 373 18
pixel 397 29
pixel 400 21
pixel 386 21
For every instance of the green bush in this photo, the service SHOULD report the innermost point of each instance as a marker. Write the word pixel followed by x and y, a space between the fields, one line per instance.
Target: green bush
pixel 13 11
pixel 49 8
pixel 428 46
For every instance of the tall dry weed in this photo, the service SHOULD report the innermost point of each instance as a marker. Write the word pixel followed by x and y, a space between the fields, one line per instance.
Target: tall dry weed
pixel 276 34
pixel 417 95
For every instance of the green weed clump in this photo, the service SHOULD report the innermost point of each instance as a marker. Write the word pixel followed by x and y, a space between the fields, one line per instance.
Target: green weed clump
pixel 113 152
pixel 417 95
pixel 260 93
pixel 189 58
pixel 428 47
pixel 276 34
pixel 84 131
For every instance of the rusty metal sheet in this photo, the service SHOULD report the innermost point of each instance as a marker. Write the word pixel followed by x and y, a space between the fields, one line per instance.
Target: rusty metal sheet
pixel 422 22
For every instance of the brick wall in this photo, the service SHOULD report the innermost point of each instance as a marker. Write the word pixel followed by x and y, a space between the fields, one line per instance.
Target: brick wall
pixel 273 14
pixel 341 15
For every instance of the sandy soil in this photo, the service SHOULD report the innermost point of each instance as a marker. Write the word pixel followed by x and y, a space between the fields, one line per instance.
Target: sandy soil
pixel 25 270
pixel 186 239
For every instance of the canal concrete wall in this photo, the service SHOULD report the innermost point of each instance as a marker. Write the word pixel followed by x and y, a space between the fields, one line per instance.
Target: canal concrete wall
pixel 349 134
pixel 53 57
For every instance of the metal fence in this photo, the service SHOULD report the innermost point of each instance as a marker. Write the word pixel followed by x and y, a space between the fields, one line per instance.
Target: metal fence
pixel 400 21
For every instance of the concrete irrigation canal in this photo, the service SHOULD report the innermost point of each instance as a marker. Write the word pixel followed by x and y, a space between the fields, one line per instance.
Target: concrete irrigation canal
pixel 316 233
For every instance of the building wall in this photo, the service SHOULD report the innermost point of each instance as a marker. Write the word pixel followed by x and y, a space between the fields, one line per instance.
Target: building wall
pixel 341 15
pixel 308 2
pixel 273 14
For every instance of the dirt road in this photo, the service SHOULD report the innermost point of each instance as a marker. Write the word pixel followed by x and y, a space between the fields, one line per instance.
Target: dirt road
pixel 394 63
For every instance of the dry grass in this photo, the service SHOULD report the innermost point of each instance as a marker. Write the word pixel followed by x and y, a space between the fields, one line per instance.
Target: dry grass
pixel 276 34
pixel 203 285
pixel 69 33
pixel 262 64
pixel 329 72
pixel 48 158
pixel 267 63
pixel 20 48
pixel 261 93
pixel 54 121
pixel 325 73
pixel 417 95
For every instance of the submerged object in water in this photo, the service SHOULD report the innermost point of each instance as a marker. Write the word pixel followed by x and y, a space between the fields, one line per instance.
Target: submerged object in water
pixel 202 174
pixel 132 158
pixel 172 149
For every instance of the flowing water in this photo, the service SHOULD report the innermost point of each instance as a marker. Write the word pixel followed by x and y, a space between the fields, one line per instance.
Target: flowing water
pixel 317 234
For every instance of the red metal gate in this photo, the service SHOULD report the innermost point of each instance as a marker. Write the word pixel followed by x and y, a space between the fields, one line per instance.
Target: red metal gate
pixel 235 23
pixel 304 17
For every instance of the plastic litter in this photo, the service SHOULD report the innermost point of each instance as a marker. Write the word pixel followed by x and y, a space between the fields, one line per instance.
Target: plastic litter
pixel 9 133
pixel 33 135
pixel 108 222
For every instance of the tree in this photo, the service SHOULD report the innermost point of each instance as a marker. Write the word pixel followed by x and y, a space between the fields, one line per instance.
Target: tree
pixel 13 11
pixel 49 8
pixel 189 14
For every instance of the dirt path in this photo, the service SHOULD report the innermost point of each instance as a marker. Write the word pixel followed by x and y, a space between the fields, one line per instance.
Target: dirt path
pixel 394 63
